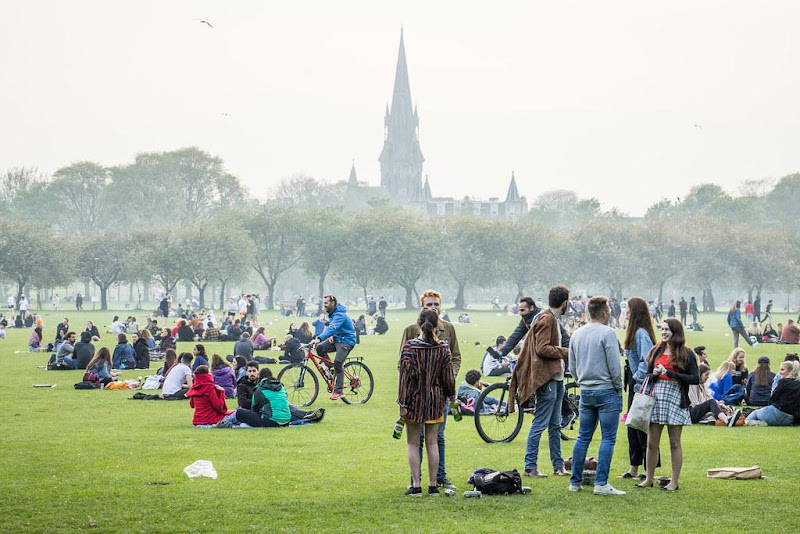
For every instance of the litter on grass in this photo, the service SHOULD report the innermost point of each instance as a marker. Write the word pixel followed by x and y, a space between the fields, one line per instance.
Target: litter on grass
pixel 201 468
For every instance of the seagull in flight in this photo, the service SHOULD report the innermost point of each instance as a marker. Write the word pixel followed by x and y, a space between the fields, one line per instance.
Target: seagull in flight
pixel 697 126
pixel 207 23
pixel 225 114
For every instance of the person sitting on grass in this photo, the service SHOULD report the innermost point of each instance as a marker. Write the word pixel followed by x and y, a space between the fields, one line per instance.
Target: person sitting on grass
pixel 148 339
pixel 759 384
pixel 270 405
pixel 170 359
pixel 208 400
pixel 769 335
pixel 723 380
pixel 100 365
pixel 211 332
pixel 84 350
pixel 381 326
pixel 141 352
pixel 493 363
pixel 92 329
pixel 740 371
pixel 790 357
pixel 178 379
pixel 292 350
pixel 35 341
pixel 784 403
pixel 223 375
pixel 470 389
pixel 702 406
pixel 200 358
pixel 754 331
pixel 124 357
pixel 261 341
pixel 791 333
pixel 304 334
pixel 167 341
pixel 244 347
pixel 185 333
pixel 246 385
pixel 66 350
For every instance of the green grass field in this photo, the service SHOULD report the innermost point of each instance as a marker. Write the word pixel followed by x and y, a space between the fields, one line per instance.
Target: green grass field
pixel 67 454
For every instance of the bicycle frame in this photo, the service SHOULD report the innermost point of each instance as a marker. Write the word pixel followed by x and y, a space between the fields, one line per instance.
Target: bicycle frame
pixel 316 359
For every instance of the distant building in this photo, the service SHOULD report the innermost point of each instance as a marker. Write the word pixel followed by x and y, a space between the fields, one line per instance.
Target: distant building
pixel 401 165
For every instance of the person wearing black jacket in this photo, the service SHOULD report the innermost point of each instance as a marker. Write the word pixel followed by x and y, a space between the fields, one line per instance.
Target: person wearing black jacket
pixel 784 403
pixel 141 352
pixel 673 368
pixel 246 385
pixel 84 350
pixel 292 351
pixel 185 332
pixel 527 312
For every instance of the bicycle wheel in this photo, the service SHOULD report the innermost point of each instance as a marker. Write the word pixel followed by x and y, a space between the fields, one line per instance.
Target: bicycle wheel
pixel 358 383
pixel 569 412
pixel 497 426
pixel 298 381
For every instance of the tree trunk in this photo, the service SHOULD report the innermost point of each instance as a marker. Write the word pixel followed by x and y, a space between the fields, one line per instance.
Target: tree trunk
pixel 365 293
pixel 146 290
pixel 202 297
pixel 321 287
pixel 459 303
pixel 750 294
pixel 271 296
pixel 520 289
pixel 38 299
pixel 20 289
pixel 409 297
pixel 188 291
pixel 139 293
pixel 87 288
pixel 222 294
pixel 712 306
pixel 661 291
pixel 130 292
pixel 103 297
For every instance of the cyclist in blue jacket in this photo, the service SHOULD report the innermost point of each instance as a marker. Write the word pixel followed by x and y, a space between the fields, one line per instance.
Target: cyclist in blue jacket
pixel 339 337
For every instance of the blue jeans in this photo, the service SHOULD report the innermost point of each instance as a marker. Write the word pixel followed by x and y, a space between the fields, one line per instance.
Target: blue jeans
pixel 772 416
pixel 547 416
pixel 72 362
pixel 603 406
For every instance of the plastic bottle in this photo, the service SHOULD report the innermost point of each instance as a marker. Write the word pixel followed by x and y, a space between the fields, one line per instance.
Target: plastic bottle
pixel 398 428
pixel 455 411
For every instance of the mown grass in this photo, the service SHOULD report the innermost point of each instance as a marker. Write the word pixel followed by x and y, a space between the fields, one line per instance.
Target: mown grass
pixel 67 454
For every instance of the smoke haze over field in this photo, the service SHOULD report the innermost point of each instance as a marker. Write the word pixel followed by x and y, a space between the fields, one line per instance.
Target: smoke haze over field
pixel 628 102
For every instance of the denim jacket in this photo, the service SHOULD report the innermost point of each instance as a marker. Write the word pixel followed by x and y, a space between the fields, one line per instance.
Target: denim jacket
pixel 637 356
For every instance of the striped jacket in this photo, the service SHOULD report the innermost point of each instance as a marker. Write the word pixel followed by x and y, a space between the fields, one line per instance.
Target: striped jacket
pixel 426 379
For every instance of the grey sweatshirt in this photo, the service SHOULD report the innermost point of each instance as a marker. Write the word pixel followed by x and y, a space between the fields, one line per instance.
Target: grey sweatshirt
pixel 594 359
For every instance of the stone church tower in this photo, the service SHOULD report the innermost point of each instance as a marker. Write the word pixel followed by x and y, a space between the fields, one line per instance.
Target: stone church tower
pixel 401 158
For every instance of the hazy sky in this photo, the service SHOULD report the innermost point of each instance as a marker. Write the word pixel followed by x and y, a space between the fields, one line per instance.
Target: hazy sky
pixel 598 97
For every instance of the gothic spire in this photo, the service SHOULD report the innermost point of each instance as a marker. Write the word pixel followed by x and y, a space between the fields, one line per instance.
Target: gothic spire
pixel 401 97
pixel 353 181
pixel 513 193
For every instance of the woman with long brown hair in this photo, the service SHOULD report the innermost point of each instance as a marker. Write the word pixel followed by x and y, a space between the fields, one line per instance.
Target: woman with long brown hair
pixel 673 367
pixel 426 382
pixel 639 339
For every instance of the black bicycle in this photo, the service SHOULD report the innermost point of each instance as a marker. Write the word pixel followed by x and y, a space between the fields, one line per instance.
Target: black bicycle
pixel 496 425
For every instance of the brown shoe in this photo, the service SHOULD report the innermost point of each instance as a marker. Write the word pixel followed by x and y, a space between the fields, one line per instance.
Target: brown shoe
pixel 561 472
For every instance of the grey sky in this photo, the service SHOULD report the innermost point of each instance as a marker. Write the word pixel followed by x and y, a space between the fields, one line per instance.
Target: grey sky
pixel 598 97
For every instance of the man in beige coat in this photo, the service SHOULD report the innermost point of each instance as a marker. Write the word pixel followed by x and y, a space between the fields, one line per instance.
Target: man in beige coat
pixel 540 373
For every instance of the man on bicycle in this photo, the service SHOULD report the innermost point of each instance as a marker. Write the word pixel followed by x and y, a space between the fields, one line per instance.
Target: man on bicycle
pixel 432 300
pixel 339 337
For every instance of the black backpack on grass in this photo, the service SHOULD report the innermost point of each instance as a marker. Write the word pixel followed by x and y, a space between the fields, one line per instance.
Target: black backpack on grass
pixel 491 482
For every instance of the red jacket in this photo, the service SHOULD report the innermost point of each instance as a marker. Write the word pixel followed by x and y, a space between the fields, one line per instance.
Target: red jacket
pixel 208 401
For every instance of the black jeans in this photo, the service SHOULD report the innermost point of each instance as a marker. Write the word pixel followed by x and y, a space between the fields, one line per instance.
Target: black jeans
pixel 254 418
pixel 697 412
pixel 342 350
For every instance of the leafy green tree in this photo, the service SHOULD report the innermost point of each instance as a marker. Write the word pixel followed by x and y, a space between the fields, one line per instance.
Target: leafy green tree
pixel 77 195
pixel 364 258
pixel 325 240
pixel 471 256
pixel 412 243
pixel 102 257
pixel 603 252
pixel 529 255
pixel 277 233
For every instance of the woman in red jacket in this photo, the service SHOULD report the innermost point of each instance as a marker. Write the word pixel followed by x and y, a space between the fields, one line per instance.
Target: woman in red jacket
pixel 208 400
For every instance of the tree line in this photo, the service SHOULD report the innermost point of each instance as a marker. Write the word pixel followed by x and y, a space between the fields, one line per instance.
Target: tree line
pixel 179 216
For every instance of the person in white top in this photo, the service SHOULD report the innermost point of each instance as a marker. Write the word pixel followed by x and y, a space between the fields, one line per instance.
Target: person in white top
pixel 11 302
pixel 23 305
pixel 117 327
pixel 178 379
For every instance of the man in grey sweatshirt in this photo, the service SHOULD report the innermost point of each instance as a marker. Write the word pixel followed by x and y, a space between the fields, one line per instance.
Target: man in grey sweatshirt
pixel 594 362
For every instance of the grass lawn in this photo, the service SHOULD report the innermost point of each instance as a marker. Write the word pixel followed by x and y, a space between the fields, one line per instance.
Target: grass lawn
pixel 68 454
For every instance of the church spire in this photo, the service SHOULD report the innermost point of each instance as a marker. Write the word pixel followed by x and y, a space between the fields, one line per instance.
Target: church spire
pixel 353 180
pixel 513 193
pixel 401 158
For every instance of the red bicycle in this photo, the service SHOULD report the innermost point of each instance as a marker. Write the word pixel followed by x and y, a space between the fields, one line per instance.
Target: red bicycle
pixel 302 383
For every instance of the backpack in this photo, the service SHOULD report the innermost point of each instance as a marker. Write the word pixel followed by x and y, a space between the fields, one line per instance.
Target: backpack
pixel 87 385
pixel 491 482
pixel 55 366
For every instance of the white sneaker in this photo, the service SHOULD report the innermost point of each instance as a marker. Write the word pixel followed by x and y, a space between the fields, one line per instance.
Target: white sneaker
pixel 608 489
pixel 755 344
pixel 575 487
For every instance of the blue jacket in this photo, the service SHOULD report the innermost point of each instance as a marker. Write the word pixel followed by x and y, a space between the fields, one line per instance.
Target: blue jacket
pixel 637 356
pixel 721 387
pixel 735 318
pixel 340 326
pixel 123 352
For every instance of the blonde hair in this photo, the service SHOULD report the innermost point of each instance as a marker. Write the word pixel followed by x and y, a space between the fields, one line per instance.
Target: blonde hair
pixel 795 371
pixel 732 358
pixel 725 368
pixel 430 293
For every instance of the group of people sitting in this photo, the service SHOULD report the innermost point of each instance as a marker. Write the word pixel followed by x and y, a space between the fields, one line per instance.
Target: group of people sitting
pixel 717 398
pixel 377 325
pixel 786 335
